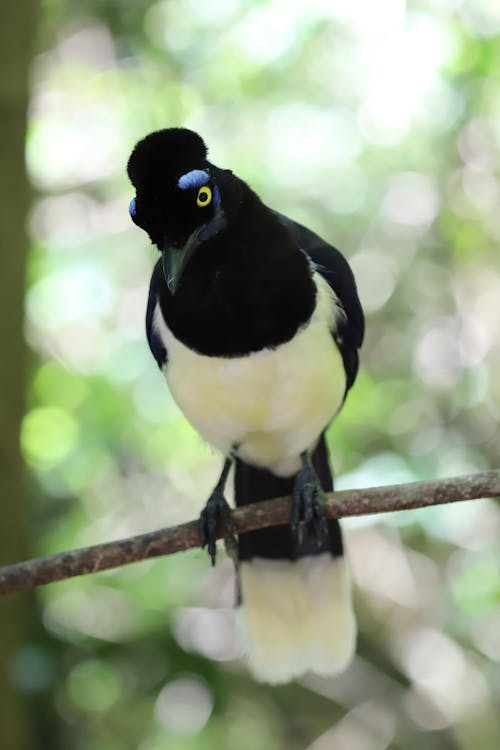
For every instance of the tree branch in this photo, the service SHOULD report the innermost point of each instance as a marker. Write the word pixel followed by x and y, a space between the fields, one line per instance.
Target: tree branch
pixel 42 570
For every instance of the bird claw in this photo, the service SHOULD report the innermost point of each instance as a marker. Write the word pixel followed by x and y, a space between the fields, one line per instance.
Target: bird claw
pixel 308 506
pixel 216 511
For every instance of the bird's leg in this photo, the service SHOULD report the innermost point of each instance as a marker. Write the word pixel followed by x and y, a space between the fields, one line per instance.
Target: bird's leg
pixel 217 510
pixel 308 502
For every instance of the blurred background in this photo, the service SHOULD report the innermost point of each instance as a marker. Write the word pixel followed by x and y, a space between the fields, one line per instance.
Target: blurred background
pixel 377 125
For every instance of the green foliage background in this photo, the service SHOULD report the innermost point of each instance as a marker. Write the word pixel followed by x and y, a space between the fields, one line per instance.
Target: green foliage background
pixel 376 124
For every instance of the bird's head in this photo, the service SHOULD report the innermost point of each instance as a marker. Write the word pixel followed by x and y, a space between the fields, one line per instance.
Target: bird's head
pixel 178 195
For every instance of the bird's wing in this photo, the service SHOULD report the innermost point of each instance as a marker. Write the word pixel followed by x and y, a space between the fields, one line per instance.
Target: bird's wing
pixel 155 341
pixel 334 268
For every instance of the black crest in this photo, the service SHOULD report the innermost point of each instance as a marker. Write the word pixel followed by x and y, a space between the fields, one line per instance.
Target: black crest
pixel 165 153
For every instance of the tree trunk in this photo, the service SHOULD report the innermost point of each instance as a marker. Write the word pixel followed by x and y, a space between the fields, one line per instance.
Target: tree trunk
pixel 17 34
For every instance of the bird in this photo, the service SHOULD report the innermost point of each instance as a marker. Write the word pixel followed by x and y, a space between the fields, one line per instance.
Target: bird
pixel 256 324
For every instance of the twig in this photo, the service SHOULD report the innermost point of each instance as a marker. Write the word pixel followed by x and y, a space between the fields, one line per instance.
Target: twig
pixel 42 570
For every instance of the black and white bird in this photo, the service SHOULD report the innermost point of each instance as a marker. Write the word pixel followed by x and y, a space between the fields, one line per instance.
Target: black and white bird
pixel 256 324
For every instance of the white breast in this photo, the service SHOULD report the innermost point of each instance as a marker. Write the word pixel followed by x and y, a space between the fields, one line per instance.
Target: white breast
pixel 273 404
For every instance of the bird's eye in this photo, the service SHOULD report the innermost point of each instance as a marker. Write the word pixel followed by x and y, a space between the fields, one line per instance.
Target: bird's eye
pixel 204 196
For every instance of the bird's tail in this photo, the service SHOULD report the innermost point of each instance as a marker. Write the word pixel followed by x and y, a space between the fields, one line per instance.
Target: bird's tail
pixel 295 609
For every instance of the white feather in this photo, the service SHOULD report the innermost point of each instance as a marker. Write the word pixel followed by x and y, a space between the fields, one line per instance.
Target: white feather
pixel 296 616
pixel 272 404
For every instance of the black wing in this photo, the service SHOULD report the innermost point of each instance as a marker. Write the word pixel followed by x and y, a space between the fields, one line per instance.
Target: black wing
pixel 332 265
pixel 155 341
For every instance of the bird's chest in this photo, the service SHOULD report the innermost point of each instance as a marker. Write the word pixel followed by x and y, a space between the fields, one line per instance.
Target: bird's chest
pixel 268 406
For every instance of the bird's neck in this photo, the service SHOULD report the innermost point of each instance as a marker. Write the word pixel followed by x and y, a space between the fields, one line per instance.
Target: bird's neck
pixel 249 288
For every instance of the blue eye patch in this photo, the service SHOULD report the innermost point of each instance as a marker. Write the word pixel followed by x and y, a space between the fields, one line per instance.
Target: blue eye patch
pixel 193 179
pixel 131 208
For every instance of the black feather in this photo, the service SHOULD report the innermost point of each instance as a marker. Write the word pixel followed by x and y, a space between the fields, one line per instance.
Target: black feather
pixel 165 155
pixel 154 339
pixel 277 542
pixel 248 289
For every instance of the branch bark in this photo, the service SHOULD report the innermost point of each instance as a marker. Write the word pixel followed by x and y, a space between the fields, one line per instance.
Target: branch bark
pixel 341 504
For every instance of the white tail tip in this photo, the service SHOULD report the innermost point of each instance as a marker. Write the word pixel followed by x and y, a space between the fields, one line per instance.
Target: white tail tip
pixel 296 617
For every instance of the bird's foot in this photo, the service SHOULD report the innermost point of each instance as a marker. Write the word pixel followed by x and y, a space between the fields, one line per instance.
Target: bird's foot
pixel 308 503
pixel 216 511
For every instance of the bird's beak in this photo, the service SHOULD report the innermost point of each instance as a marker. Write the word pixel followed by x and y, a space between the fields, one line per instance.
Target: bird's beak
pixel 175 260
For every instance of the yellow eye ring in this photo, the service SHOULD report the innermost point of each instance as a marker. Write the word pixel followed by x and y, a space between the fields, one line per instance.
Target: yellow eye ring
pixel 204 196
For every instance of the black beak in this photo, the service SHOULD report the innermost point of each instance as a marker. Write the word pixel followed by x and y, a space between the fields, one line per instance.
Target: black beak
pixel 175 260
